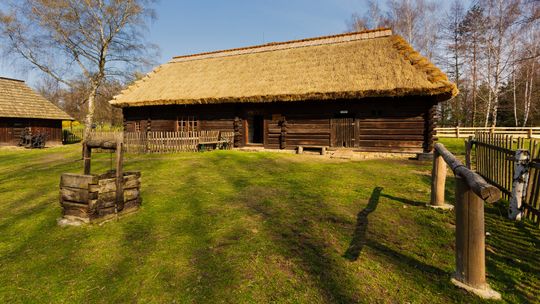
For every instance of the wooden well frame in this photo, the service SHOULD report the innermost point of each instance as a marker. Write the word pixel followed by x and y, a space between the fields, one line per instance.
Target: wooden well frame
pixel 88 198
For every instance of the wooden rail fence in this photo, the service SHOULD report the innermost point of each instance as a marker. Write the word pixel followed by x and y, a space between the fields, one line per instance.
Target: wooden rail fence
pixel 495 160
pixel 464 132
pixel 471 192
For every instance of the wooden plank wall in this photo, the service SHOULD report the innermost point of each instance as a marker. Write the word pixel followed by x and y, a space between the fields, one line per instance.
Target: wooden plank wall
pixel 307 131
pixel 12 128
pixel 386 125
pixel 393 132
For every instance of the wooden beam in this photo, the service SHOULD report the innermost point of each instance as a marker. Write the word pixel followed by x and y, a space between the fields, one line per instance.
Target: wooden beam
pixel 479 186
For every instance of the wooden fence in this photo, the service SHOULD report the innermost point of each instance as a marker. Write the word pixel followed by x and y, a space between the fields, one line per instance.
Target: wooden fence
pixel 172 142
pixel 71 136
pixel 464 132
pixel 495 161
pixel 471 192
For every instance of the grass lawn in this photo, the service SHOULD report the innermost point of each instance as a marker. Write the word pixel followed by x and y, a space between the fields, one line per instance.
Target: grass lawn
pixel 239 227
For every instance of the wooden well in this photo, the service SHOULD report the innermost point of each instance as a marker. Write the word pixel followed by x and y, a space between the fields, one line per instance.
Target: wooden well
pixel 87 198
pixel 90 198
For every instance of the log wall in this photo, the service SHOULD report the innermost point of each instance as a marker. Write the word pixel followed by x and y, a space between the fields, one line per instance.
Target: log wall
pixel 383 125
pixel 12 128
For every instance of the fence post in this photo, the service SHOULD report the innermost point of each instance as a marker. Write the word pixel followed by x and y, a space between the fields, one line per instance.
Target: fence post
pixel 438 181
pixel 457 132
pixel 519 184
pixel 530 133
pixel 470 243
pixel 468 150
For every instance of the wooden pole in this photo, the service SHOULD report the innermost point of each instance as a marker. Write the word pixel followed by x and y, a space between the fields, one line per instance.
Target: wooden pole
pixel 470 242
pixel 119 176
pixel 87 153
pixel 438 180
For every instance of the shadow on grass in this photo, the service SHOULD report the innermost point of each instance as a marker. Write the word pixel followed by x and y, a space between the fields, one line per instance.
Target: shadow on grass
pixel 359 238
pixel 404 200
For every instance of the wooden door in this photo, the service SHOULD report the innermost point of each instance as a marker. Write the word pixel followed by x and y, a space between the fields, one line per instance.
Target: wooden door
pixel 343 132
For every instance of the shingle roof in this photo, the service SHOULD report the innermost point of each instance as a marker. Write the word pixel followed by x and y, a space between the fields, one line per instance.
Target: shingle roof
pixel 354 65
pixel 19 100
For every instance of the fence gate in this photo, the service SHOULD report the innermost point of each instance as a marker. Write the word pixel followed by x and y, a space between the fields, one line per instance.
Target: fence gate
pixel 344 132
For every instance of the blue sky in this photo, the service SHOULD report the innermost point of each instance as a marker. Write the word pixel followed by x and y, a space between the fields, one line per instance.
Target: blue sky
pixel 185 27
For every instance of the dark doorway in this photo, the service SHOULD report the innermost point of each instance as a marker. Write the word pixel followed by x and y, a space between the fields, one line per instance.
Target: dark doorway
pixel 255 129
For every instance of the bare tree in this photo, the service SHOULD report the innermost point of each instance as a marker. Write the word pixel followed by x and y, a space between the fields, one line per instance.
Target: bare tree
pixel 502 17
pixel 472 29
pixel 412 19
pixel 453 42
pixel 70 39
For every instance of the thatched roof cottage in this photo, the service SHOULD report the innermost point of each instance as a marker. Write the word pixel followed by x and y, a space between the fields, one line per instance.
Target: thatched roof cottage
pixel 369 91
pixel 21 107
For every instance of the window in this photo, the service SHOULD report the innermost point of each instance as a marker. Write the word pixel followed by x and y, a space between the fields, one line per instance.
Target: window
pixel 187 124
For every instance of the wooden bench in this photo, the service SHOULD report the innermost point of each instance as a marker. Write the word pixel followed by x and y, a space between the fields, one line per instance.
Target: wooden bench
pixel 203 145
pixel 300 149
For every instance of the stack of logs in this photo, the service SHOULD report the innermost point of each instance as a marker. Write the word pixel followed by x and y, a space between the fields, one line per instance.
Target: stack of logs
pixel 90 198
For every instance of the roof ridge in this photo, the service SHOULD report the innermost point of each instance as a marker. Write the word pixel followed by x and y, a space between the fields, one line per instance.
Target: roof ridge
pixel 12 79
pixel 321 40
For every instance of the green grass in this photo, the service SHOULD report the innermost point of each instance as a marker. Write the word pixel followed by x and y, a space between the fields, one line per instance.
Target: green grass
pixel 238 227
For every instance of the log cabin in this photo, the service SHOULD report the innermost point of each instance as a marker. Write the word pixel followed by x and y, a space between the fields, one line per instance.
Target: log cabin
pixel 22 108
pixel 366 91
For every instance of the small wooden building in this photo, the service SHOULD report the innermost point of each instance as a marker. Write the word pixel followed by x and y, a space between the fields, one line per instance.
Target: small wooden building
pixel 368 91
pixel 21 107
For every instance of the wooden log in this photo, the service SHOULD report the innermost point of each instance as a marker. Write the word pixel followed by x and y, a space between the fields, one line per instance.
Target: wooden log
pixel 75 209
pixel 484 190
pixel 80 181
pixel 129 194
pixel 136 203
pixel 101 143
pixel 438 180
pixel 77 195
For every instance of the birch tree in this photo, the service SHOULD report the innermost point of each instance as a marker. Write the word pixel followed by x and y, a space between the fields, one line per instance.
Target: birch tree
pixel 73 39
pixel 502 17
pixel 415 20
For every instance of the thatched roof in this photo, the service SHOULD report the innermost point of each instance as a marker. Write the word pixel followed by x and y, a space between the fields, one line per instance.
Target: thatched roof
pixel 354 65
pixel 19 100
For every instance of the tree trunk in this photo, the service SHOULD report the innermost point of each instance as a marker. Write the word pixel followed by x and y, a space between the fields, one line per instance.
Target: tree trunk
pixel 91 109
pixel 474 80
pixel 514 93
pixel 529 81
